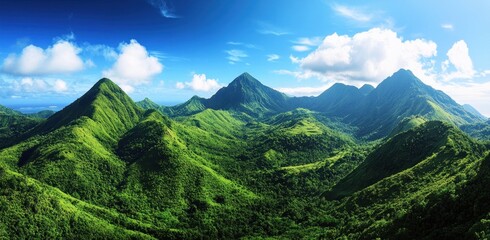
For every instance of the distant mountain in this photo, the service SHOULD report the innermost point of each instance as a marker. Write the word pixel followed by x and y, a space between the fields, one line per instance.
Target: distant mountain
pixel 191 106
pixel 338 100
pixel 247 94
pixel 374 111
pixel 42 114
pixel 13 124
pixel 148 104
pixel 473 111
pixel 6 110
pixel 366 89
pixel 403 95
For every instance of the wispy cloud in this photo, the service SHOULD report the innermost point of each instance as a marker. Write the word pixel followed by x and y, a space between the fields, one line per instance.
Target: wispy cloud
pixel 269 29
pixel 272 57
pixel 247 45
pixel 164 56
pixel 304 44
pixel 352 13
pixel 447 26
pixel 300 48
pixel 313 41
pixel 165 7
pixel 235 55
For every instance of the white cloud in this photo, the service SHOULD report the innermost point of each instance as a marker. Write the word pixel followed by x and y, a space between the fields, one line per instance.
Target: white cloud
pixel 459 58
pixel 447 26
pixel 180 85
pixel 475 94
pixel 133 67
pixel 60 86
pixel 272 57
pixel 372 56
pixel 314 41
pixel 199 82
pixel 269 29
pixel 248 45
pixel 367 56
pixel 103 50
pixel 37 85
pixel 352 13
pixel 165 7
pixel 235 55
pixel 62 57
pixel 300 48
pixel 304 91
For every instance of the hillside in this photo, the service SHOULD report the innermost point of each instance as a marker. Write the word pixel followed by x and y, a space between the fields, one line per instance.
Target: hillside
pixel 387 186
pixel 13 124
pixel 249 162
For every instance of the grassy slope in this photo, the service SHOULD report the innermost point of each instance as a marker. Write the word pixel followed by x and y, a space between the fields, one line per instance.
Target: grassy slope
pixel 222 174
pixel 31 209
pixel 94 157
pixel 374 210
pixel 401 152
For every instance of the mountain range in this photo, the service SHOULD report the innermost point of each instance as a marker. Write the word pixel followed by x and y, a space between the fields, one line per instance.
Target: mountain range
pixel 250 162
pixel 374 111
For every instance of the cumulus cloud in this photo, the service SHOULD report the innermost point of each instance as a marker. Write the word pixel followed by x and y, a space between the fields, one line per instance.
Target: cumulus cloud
pixel 62 57
pixel 37 85
pixel 368 56
pixel 134 66
pixel 351 13
pixel 459 58
pixel 272 57
pixel 199 82
pixel 60 86
pixel 235 55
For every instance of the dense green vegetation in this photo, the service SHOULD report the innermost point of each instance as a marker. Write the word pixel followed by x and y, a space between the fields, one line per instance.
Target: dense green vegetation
pixel 479 130
pixel 249 162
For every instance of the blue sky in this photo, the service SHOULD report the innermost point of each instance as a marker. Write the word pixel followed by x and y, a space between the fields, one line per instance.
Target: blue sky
pixel 51 52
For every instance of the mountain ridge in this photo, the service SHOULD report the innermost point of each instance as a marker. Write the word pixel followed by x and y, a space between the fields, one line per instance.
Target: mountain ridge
pixel 375 111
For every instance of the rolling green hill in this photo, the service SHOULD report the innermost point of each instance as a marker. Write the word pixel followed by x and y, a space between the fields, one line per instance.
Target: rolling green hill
pixel 388 162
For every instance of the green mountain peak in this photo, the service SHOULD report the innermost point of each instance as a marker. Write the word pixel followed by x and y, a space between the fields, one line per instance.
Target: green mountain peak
pixel 247 94
pixel 104 102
